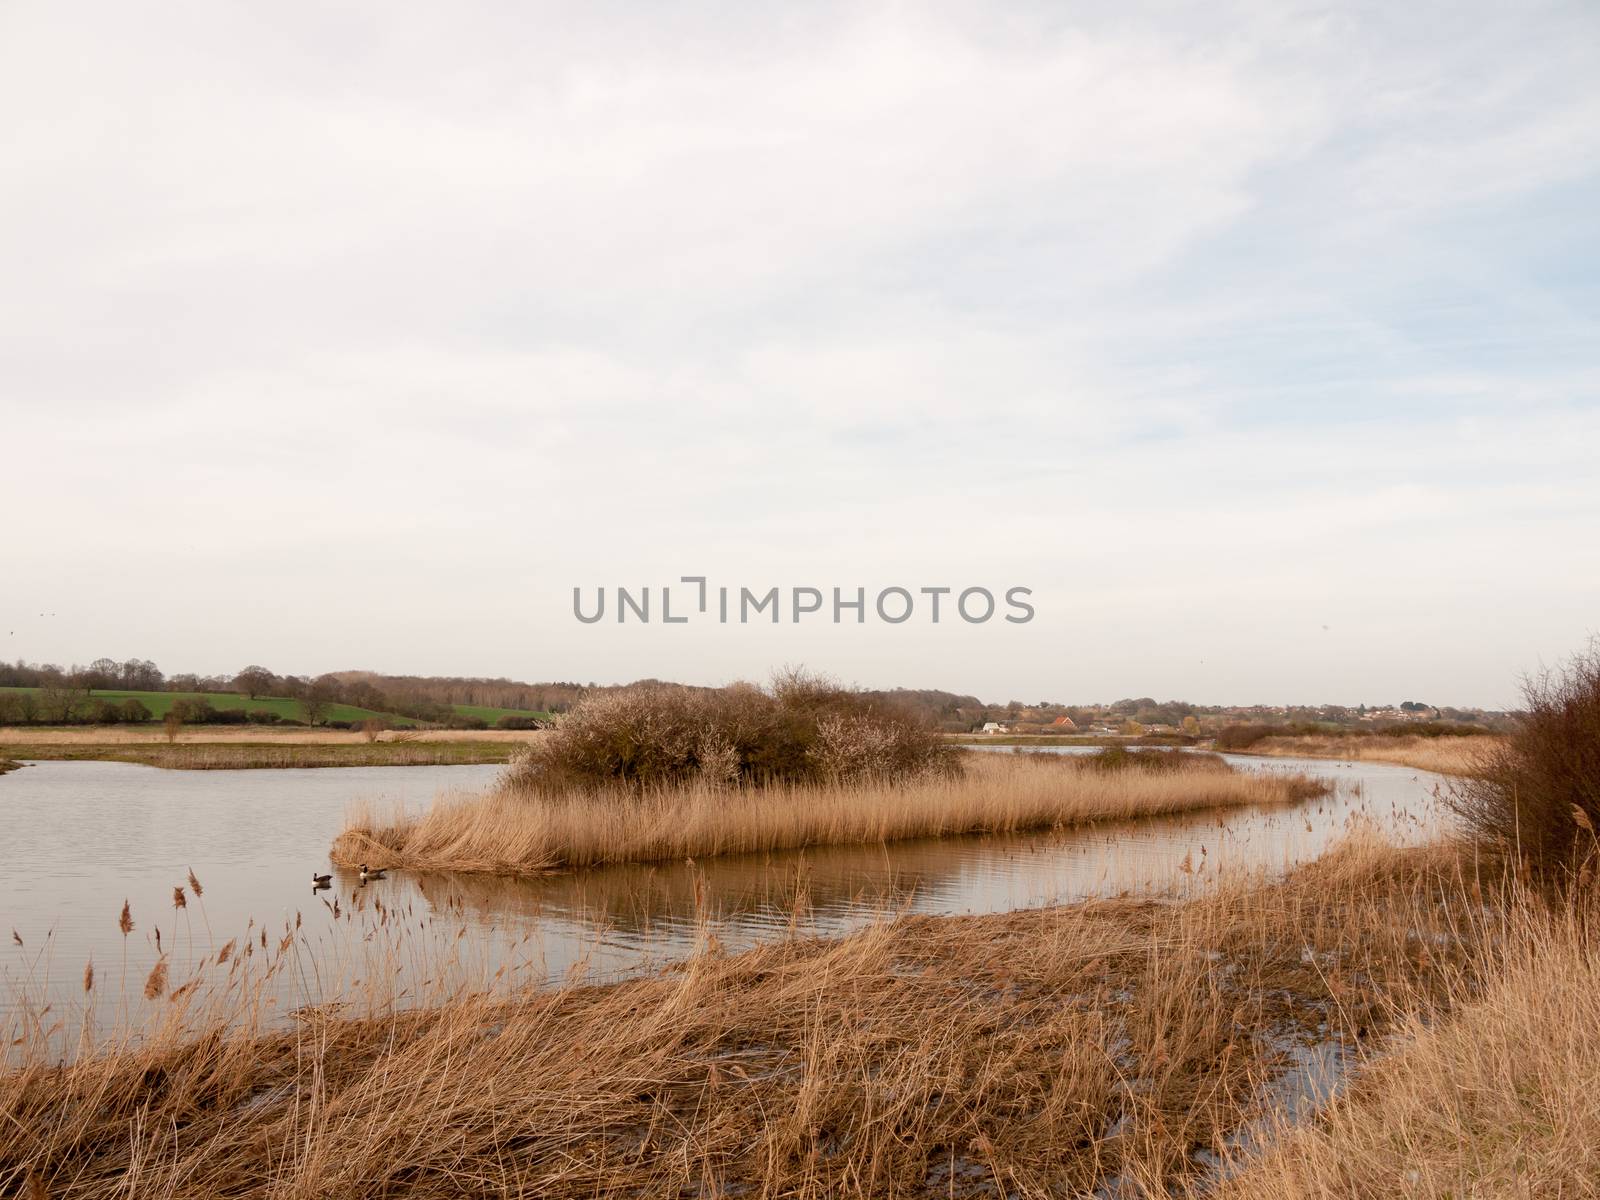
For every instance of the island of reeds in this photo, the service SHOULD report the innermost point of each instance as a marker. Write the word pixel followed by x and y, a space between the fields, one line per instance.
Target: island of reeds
pixel 661 772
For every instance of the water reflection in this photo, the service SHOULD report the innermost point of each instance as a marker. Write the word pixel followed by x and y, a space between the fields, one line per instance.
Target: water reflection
pixel 88 835
pixel 837 887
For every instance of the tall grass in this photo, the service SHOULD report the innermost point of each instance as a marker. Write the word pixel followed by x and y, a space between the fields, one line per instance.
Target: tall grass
pixel 1050 1052
pixel 522 828
pixel 1497 1101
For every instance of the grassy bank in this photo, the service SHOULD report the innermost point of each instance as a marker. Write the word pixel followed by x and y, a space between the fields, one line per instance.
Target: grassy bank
pixel 1497 1101
pixel 7 765
pixel 524 830
pixel 1447 755
pixel 237 755
pixel 1125 1046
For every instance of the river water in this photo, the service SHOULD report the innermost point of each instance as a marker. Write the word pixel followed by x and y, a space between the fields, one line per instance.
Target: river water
pixel 81 838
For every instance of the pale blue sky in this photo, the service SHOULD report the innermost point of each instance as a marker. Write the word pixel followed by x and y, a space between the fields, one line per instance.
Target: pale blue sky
pixel 357 335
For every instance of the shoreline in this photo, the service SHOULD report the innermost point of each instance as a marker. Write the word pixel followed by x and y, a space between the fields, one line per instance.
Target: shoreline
pixel 239 756
pixel 201 749
pixel 216 748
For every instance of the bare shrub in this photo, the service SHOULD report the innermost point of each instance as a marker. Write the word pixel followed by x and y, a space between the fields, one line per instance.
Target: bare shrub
pixel 1241 737
pixel 131 711
pixel 517 721
pixel 804 728
pixel 1538 790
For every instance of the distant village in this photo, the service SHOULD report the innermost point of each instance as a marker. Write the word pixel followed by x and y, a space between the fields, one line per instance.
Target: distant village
pixel 1147 716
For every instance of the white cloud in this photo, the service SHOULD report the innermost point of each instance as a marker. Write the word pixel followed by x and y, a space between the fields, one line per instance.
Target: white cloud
pixel 372 308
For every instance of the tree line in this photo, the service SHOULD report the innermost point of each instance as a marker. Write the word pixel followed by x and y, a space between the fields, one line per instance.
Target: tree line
pixel 64 698
pixel 64 695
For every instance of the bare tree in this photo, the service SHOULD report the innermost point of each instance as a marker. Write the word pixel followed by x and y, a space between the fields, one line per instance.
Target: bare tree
pixel 103 673
pixel 141 675
pixel 253 681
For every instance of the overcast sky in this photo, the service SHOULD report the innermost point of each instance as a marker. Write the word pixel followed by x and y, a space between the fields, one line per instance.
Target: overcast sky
pixel 1262 341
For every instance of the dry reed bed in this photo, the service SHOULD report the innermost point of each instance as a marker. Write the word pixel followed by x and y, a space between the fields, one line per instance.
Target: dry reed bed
pixel 513 830
pixel 1444 755
pixel 125 735
pixel 1498 1101
pixel 1103 1045
pixel 231 756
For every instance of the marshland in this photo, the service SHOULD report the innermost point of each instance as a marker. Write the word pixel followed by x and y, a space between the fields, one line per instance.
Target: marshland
pixel 1442 755
pixel 217 749
pixel 993 975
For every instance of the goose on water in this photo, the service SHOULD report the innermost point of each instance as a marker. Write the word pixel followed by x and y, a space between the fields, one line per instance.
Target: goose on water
pixel 320 880
pixel 366 874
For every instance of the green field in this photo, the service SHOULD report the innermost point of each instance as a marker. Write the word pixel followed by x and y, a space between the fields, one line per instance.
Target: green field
pixel 290 710
pixel 492 715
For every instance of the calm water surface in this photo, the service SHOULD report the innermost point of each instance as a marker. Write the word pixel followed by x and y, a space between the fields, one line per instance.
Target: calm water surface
pixel 82 837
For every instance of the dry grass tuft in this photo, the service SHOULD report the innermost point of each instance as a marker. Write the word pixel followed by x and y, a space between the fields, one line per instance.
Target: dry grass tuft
pixel 155 984
pixel 522 829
